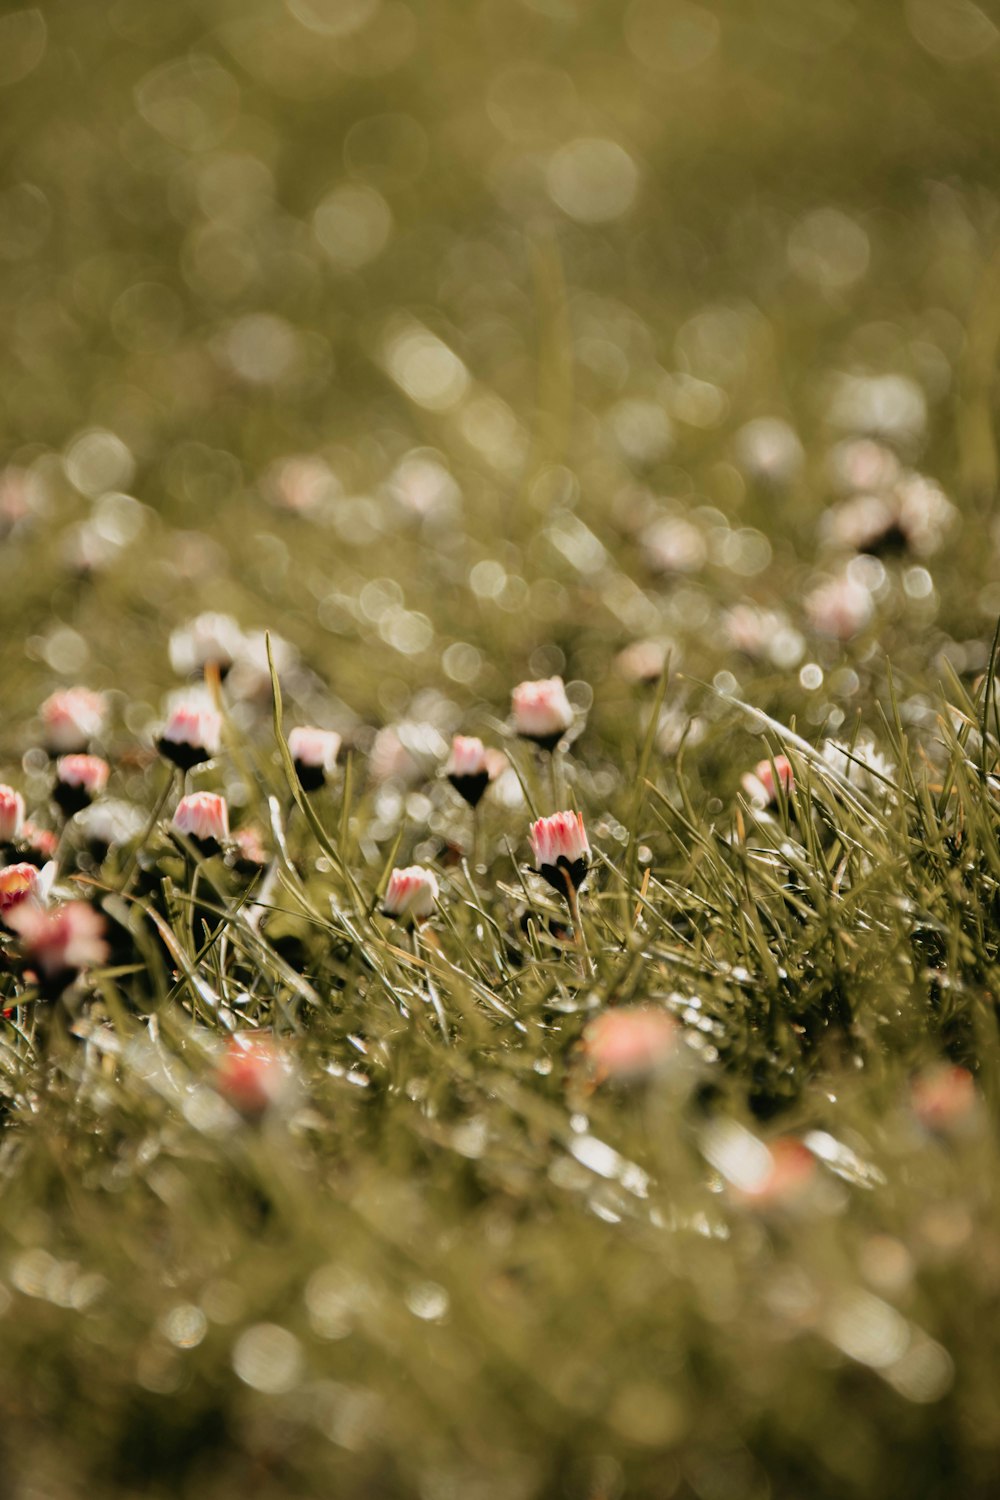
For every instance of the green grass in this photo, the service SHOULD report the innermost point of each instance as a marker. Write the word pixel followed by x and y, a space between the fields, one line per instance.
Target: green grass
pixel 451 1259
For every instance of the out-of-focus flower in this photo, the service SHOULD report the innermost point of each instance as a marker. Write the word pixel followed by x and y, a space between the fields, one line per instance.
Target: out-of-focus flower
pixel 642 661
pixel 913 516
pixel 38 844
pixel 411 894
pixel 862 464
pixel 769 450
pixel 59 942
pixel 192 734
pixel 204 817
pixel 301 483
pixel 210 639
pixel 674 545
pixel 761 633
pixel 561 850
pixel 79 779
pixel 18 883
pixel 249 847
pixel 943 1097
pixel 761 784
pixel 541 711
pixel 629 1041
pixel 109 823
pixel 471 767
pixel 253 1075
pixel 11 814
pixel 790 1170
pixel 840 607
pixel 861 764
pixel 314 752
pixel 71 718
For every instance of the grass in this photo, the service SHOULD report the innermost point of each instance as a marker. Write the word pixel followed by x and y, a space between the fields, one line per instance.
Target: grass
pixel 335 318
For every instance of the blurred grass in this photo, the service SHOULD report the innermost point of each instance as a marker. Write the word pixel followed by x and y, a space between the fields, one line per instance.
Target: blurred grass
pixel 510 281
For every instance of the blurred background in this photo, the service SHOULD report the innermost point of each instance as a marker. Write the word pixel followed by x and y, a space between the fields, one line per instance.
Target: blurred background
pixel 462 341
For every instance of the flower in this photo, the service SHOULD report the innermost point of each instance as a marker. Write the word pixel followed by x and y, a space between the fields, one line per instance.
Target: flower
pixel 471 767
pixel 71 718
pixel 192 733
pixel 542 711
pixel 862 765
pixel 943 1097
pixel 560 849
pixel 252 1075
pixel 642 661
pixel 249 848
pixel 40 844
pixel 411 894
pixel 787 1170
pixel 210 639
pixel 107 824
pixel 629 1041
pixel 18 883
pixel 61 942
pixel 840 607
pixel 11 814
pixel 761 784
pixel 79 779
pixel 204 817
pixel 314 752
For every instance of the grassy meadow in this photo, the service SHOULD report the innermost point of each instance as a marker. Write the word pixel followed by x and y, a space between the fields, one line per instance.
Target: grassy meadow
pixel 363 360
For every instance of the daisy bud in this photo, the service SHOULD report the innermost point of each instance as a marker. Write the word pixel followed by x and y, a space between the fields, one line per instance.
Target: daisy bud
pixel 841 607
pixel 760 784
pixel 203 817
pixel 250 854
pixel 314 752
pixel 943 1097
pixel 39 844
pixel 788 1169
pixel 79 779
pixel 541 711
pixel 209 640
pixel 629 1042
pixel 18 883
pixel 252 1075
pixel 11 814
pixel 192 734
pixel 470 767
pixel 411 894
pixel 61 942
pixel 71 718
pixel 560 849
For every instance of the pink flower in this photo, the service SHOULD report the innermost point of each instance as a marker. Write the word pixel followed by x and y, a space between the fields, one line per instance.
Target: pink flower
pixel 790 1168
pixel 41 842
pixel 79 779
pixel 61 942
pixel 192 733
pixel 560 849
pixel 760 784
pixel 471 767
pixel 203 816
pixel 943 1097
pixel 642 661
pixel 411 894
pixel 11 814
pixel 841 607
pixel 542 711
pixel 18 883
pixel 249 846
pixel 71 718
pixel 629 1041
pixel 252 1074
pixel 314 752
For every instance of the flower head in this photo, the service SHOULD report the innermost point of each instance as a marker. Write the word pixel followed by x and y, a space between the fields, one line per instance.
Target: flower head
pixel 314 752
pixel 629 1041
pixel 71 718
pixel 471 767
pixel 79 779
pixel 411 894
pixel 762 783
pixel 561 850
pixel 11 814
pixel 210 639
pixel 192 734
pixel 943 1097
pixel 60 942
pixel 204 817
pixel 252 1075
pixel 541 710
pixel 18 883
pixel 840 607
